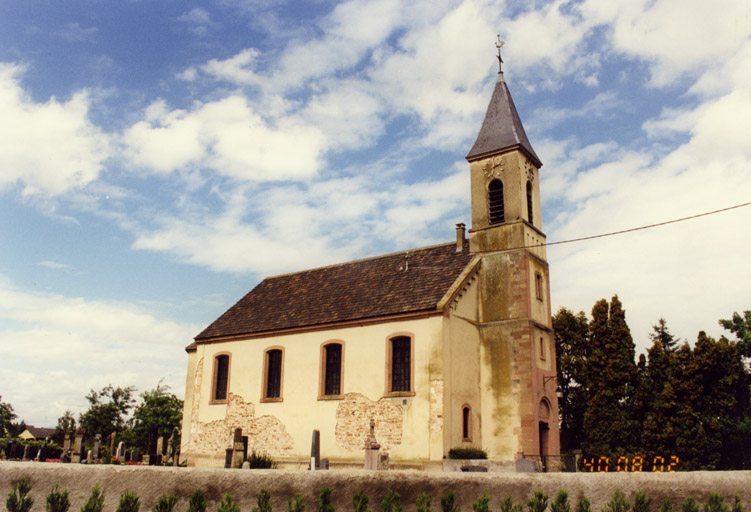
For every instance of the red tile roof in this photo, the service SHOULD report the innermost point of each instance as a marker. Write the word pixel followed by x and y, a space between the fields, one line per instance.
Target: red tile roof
pixel 404 282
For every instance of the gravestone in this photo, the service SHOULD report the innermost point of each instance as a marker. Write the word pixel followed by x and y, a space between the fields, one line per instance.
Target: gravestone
pixel 95 452
pixel 112 444
pixel 27 452
pixel 372 450
pixel 315 450
pixel 160 445
pixel 65 456
pixel 120 450
pixel 77 448
pixel 236 459
pixel 126 455
pixel 42 452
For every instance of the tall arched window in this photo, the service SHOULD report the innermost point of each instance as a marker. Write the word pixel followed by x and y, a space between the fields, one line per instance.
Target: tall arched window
pixel 495 202
pixel 466 423
pixel 400 365
pixel 331 370
pixel 530 209
pixel 221 378
pixel 273 373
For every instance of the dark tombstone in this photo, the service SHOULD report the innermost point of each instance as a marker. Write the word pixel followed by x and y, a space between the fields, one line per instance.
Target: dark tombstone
pixel 9 450
pixel 126 456
pixel 26 452
pixel 137 456
pixel 97 447
pixel 65 458
pixel 315 450
pixel 228 458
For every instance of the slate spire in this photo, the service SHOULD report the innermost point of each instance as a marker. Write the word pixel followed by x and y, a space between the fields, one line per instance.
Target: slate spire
pixel 502 129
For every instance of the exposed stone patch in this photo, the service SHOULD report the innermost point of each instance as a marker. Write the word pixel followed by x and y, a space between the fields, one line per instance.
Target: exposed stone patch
pixel 266 433
pixel 353 422
pixel 436 407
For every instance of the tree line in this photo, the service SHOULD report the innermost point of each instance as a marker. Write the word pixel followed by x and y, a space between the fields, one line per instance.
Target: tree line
pixel 114 409
pixel 687 401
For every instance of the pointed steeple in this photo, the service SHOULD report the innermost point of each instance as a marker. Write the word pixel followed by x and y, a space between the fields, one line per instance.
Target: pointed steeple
pixel 502 129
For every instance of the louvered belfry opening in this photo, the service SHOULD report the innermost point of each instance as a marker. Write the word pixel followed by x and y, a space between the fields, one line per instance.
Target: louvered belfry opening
pixel 495 202
pixel 529 203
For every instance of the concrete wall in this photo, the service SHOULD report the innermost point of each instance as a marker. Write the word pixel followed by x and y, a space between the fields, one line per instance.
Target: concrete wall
pixel 150 482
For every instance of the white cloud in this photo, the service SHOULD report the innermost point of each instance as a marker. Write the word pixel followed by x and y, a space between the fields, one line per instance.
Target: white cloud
pixel 75 33
pixel 50 148
pixel 78 345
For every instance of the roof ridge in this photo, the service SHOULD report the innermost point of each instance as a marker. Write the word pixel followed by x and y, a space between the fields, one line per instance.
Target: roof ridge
pixel 369 258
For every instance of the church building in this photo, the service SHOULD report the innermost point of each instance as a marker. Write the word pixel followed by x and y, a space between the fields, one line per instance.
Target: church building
pixel 443 347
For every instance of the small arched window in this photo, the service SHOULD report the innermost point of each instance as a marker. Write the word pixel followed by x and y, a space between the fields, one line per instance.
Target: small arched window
pixel 538 285
pixel 495 202
pixel 466 423
pixel 221 378
pixel 530 209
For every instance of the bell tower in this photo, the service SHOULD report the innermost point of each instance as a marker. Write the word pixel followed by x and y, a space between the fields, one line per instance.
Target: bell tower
pixel 517 363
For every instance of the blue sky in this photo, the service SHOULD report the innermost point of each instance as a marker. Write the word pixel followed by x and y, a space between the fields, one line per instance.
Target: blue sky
pixel 157 159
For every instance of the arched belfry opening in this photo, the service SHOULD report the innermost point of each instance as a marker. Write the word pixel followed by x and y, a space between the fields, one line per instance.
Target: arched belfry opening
pixel 495 202
pixel 530 207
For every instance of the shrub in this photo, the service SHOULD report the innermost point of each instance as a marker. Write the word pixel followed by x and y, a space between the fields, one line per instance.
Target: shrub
pixel 689 505
pixel 297 504
pixel 666 506
pixel 469 452
pixel 197 502
pixel 642 503
pixel 260 460
pixel 507 505
pixel 263 501
pixel 560 502
pixel 715 503
pixel 617 503
pixel 324 500
pixel 448 503
pixel 583 505
pixel 737 506
pixel 95 503
pixel 165 503
pixel 228 504
pixel 392 502
pixel 482 504
pixel 424 502
pixel 538 502
pixel 58 501
pixel 18 498
pixel 360 501
pixel 129 502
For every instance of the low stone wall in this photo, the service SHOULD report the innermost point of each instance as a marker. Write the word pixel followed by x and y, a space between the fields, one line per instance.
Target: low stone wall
pixel 151 482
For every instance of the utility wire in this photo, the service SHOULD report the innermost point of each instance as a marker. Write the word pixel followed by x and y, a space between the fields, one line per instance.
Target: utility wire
pixel 632 229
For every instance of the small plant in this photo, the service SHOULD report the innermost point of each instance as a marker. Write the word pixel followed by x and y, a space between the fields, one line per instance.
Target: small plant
pixel 263 501
pixel 583 505
pixel 228 504
pixel 715 503
pixel 324 500
pixel 95 503
pixel 424 502
pixel 296 504
pixel 642 503
pixel 560 502
pixel 469 452
pixel 666 506
pixel 18 498
pixel 58 501
pixel 689 505
pixel 482 504
pixel 129 502
pixel 737 506
pixel 448 503
pixel 392 502
pixel 197 502
pixel 507 505
pixel 617 503
pixel 260 460
pixel 538 502
pixel 165 503
pixel 360 501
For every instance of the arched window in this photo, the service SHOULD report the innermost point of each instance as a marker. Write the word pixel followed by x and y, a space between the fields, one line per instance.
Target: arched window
pixel 331 370
pixel 400 365
pixel 466 423
pixel 221 378
pixel 273 373
pixel 495 202
pixel 530 209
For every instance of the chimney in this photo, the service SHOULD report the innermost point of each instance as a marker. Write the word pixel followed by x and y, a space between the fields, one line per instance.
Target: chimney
pixel 460 237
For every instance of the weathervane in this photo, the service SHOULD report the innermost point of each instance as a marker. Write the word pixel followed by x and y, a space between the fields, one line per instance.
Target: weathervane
pixel 499 45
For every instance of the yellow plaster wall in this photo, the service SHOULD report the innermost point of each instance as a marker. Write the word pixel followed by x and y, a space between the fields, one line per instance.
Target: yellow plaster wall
pixel 401 422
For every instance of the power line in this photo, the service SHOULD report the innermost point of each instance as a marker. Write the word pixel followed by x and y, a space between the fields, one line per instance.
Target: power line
pixel 633 229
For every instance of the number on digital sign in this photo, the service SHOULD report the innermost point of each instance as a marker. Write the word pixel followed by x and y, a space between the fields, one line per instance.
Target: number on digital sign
pixel 673 463
pixel 588 464
pixel 637 463
pixel 622 464
pixel 602 464
pixel 658 464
